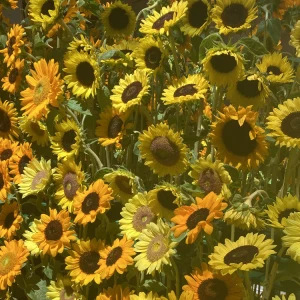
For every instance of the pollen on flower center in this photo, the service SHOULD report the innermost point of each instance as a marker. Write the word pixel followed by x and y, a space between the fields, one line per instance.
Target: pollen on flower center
pixel 156 248
pixel 41 91
pixel 210 181
pixel 142 217
pixel 7 262
pixel 114 127
pixel 131 91
pixel 38 178
pixel 118 18
pixel 5 123
pixel 188 89
pixel 88 262
pixel 196 217
pixel 213 289
pixel 159 23
pixel 54 230
pixel 113 256
pixel 234 15
pixel 70 185
pixel 242 254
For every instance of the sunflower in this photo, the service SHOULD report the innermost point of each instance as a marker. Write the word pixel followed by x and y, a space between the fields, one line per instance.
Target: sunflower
pixel 238 140
pixel 66 142
pixel 83 262
pixel 44 12
pixel 161 22
pixel 247 253
pixel 83 73
pixel 185 295
pixel 284 123
pixel 80 45
pixel 7 149
pixel 198 217
pixel 118 19
pixel 12 256
pixel 123 184
pixel 295 38
pixel 68 179
pixel 4 180
pixel 193 87
pixel 44 89
pixel 249 90
pixel 223 65
pixel 163 150
pixel 115 293
pixel 164 199
pixel 29 243
pixel 211 177
pixel 13 4
pixel 234 15
pixel 155 247
pixel 8 120
pixel 277 68
pixel 206 284
pixel 91 202
pixel 13 79
pixel 136 214
pixel 290 297
pixel 197 17
pixel 149 296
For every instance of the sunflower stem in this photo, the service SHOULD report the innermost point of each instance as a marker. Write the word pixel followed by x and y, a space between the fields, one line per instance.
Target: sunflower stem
pixel 269 258
pixel 87 291
pixel 298 182
pixel 173 48
pixel 198 132
pixel 107 150
pixel 62 23
pixel 177 277
pixel 232 232
pixel 115 278
pixel 90 151
pixel 244 182
pixel 85 230
pixel 248 285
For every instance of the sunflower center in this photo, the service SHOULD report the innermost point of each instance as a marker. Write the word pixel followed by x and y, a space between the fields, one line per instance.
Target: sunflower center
pixel 67 293
pixel 7 262
pixel 90 202
pixel 196 217
pixel 164 151
pixel 12 77
pixel 114 127
pixel 131 91
pixel 236 138
pixel 10 48
pixel 223 63
pixel 210 181
pixel 248 88
pixel 36 129
pixel 88 262
pixel 70 185
pixel 197 14
pixel 118 18
pixel 123 184
pixel 9 220
pixel 234 15
pixel 1 181
pixel 53 231
pixel 6 154
pixel 142 217
pixel 85 73
pixel 166 199
pixel 68 140
pixel 5 123
pixel 157 248
pixel 38 178
pixel 290 125
pixel 242 254
pixel 152 57
pixel 160 22
pixel 41 91
pixel 113 256
pixel 212 289
pixel 286 213
pixel 188 89
pixel 23 163
pixel 274 70
pixel 48 5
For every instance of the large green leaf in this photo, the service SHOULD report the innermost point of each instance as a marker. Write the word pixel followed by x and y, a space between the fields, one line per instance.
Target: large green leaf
pixel 253 46
pixel 207 43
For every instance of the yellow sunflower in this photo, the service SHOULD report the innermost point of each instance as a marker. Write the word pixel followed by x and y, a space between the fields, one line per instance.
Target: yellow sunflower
pixel 13 79
pixel 206 284
pixel 30 244
pixel 66 142
pixel 284 123
pixel 91 202
pixel 149 296
pixel 247 253
pixel 44 89
pixel 83 262
pixel 84 74
pixel 238 140
pixel 155 247
pixel 295 38
pixel 13 255
pixel 277 68
pixel 118 19
pixel 8 120
pixel 196 18
pixel 136 214
pixel 13 4
pixel 197 217
pixel 234 15
pixel 80 45
pixel 115 293
pixel 4 180
pixel 290 297
pixel 193 87
pixel 68 179
pixel 163 150
pixel 7 149
pixel 161 22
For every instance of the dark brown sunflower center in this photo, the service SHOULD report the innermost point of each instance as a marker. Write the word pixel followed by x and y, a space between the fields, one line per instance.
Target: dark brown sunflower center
pixel 290 125
pixel 53 231
pixel 12 77
pixel 85 73
pixel 223 63
pixel 197 14
pixel 236 138
pixel 242 254
pixel 248 88
pixel 273 69
pixel 234 15
pixel 70 185
pixel 48 5
pixel 23 163
pixel 164 151
pixel 113 256
pixel 210 181
pixel 286 213
pixel 123 183
pixel 10 48
pixel 118 18
pixel 9 220
pixel 36 129
pixel 114 127
pixel 142 217
pixel 160 22
pixel 68 140
pixel 6 154
pixel 1 181
pixel 188 89
pixel 131 91
pixel 90 202
pixel 5 123
pixel 212 289
pixel 196 217
pixel 88 262
pixel 166 199
pixel 153 57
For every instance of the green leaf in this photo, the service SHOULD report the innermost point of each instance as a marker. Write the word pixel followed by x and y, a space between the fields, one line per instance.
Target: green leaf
pixel 74 105
pixel 155 286
pixel 274 30
pixel 100 173
pixel 48 272
pixel 3 39
pixel 207 43
pixel 253 46
pixel 109 54
pixel 40 293
pixel 190 188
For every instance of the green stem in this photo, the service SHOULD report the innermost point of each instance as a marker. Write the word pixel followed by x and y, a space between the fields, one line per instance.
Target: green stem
pixel 232 232
pixel 198 132
pixel 248 285
pixel 87 291
pixel 177 278
pixel 85 230
pixel 173 47
pixel 62 23
pixel 90 151
pixel 244 182
pixel 107 150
